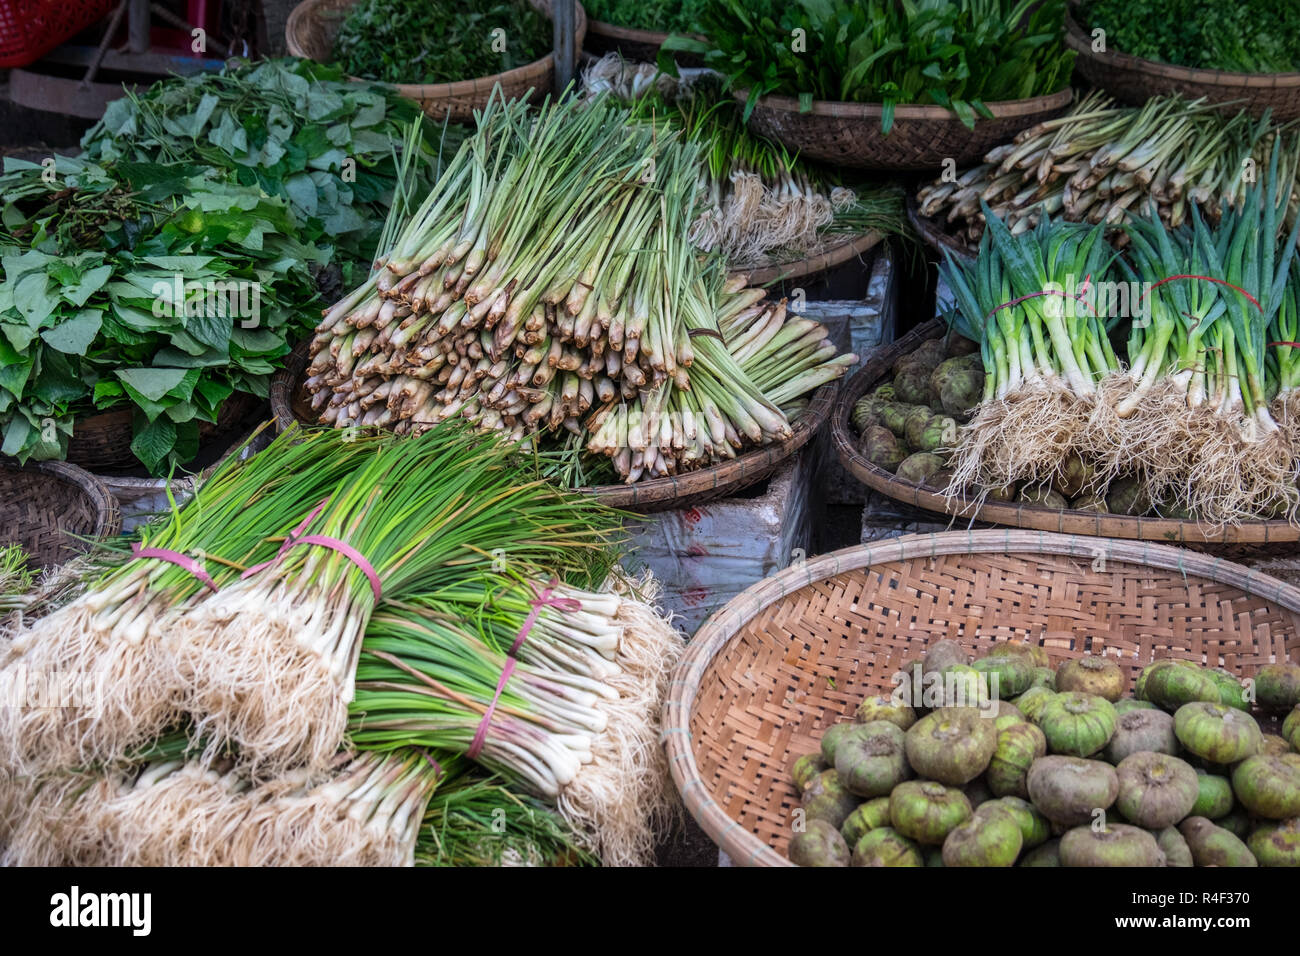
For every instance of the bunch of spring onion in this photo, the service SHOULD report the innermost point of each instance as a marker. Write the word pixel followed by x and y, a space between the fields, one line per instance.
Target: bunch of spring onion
pixel 1200 393
pixel 1284 353
pixel 755 200
pixel 1026 300
pixel 110 646
pixel 268 661
pixel 16 580
pixel 573 724
pixel 1101 163
pixel 170 811
pixel 475 821
pixel 546 283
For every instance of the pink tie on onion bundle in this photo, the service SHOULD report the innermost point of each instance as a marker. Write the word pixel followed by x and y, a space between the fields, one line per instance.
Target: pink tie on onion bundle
pixel 539 601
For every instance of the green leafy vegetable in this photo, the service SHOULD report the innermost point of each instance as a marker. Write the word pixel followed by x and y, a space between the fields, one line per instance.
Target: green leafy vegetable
pixel 663 15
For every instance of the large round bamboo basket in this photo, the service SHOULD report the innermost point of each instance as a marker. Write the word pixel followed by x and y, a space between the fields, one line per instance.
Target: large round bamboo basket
pixel 48 507
pixel 290 407
pixel 834 250
pixel 1135 80
pixel 922 137
pixel 1249 539
pixel 932 233
pixel 313 24
pixel 633 44
pixel 766 675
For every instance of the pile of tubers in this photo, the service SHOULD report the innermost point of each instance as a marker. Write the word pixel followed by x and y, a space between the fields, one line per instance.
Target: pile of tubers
pixel 1005 761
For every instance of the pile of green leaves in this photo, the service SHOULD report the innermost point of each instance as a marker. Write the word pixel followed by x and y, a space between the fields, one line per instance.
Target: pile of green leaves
pixel 959 54
pixel 296 129
pixel 439 41
pixel 89 263
pixel 681 16
pixel 1240 36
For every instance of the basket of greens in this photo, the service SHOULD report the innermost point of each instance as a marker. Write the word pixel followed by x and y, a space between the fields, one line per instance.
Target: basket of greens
pixel 636 29
pixel 446 56
pixel 1243 52
pixel 887 86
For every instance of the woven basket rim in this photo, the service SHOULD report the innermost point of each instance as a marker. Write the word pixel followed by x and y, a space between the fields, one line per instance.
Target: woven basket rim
pixel 934 236
pixel 853 244
pixel 1077 40
pixel 733 475
pixel 538 69
pixel 634 34
pixel 837 109
pixel 1034 517
pixel 108 514
pixel 723 625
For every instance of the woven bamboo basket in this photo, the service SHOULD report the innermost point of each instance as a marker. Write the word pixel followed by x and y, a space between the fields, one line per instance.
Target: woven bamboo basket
pixel 313 24
pixel 766 675
pixel 835 251
pixel 639 46
pixel 48 506
pixel 102 442
pixel 933 235
pixel 1135 80
pixel 1249 539
pixel 922 137
pixel 289 405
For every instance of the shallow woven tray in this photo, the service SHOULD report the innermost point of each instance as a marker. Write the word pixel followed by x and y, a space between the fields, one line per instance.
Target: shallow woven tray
pixel 834 250
pixel 313 24
pixel 103 442
pixel 1249 539
pixel 288 404
pixel 44 505
pixel 922 137
pixel 797 652
pixel 1135 80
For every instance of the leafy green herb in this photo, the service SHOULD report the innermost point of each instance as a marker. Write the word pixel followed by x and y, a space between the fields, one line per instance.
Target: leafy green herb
pixel 664 15
pixel 960 54
pixel 159 287
pixel 418 41
pixel 1242 36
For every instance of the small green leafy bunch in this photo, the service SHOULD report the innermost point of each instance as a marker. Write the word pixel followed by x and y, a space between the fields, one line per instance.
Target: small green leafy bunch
pixel 294 128
pixel 1240 36
pixel 663 15
pixel 438 41
pixel 98 274
pixel 959 54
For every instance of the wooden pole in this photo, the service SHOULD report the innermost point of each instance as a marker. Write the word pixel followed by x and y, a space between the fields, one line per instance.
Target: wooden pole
pixel 566 57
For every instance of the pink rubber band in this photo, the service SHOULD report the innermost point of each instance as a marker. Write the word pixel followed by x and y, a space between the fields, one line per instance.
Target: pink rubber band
pixel 183 561
pixel 287 543
pixel 1156 285
pixel 349 552
pixel 1034 295
pixel 539 601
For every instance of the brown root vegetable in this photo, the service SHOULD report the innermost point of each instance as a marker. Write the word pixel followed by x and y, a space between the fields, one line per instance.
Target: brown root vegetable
pixel 1214 796
pixel 1044 497
pixel 1032 702
pixel 1214 846
pixel 919 467
pixel 1034 827
pixel 1077 725
pixel 1074 476
pixel 1036 653
pixel 1276 843
pixel 831 738
pixel 1019 745
pixel 1093 504
pixel 879 446
pixel 1049 854
pixel 927 811
pixel 866 817
pixel 886 847
pixel 926 431
pixel 1174 847
pixel 1277 687
pixel 991 837
pixel 1068 789
pixel 1116 844
pixel 1007 675
pixel 885 708
pixel 805 768
pixel 1155 789
pixel 1128 496
pixel 1269 786
pixel 952 745
pixel 1142 730
pixel 820 844
pixel 1216 733
pixel 1099 676
pixel 1171 684
pixel 912 384
pixel 869 758
pixel 943 653
pixel 826 798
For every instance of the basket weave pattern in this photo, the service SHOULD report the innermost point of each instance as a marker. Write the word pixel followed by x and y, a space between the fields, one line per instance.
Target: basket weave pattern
pixel 313 25
pixel 922 137
pixel 1249 539
pixel 1135 80
pixel 796 653
pixel 43 505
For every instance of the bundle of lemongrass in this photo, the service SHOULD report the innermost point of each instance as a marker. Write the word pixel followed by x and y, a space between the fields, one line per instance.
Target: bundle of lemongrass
pixel 1102 163
pixel 755 200
pixel 1202 417
pixel 546 283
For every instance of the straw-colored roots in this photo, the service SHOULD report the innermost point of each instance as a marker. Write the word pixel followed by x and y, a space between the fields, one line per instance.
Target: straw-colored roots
pixel 624 799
